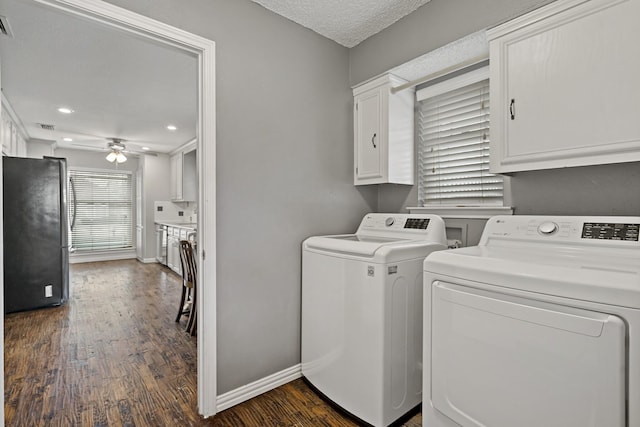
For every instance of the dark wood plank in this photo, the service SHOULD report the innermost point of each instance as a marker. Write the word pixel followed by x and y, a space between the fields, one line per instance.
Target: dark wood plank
pixel 113 356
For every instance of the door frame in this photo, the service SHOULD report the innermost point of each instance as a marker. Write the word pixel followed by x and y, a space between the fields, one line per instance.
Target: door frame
pixel 204 49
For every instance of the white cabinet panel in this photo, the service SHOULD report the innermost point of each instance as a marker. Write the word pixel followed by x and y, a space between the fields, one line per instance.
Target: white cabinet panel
pixel 368 120
pixel 176 177
pixel 564 86
pixel 383 132
pixel 184 176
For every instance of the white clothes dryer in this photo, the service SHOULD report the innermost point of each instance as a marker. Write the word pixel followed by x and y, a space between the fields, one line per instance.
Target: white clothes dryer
pixel 362 314
pixel 538 325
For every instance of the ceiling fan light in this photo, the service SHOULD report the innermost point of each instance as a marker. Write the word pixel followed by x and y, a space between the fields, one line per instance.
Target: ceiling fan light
pixel 121 158
pixel 112 156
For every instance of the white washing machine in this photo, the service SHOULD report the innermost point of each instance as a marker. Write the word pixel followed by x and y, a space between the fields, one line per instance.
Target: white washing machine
pixel 362 314
pixel 538 325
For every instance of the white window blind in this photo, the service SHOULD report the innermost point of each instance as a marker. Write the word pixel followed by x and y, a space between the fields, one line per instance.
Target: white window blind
pixel 102 209
pixel 453 143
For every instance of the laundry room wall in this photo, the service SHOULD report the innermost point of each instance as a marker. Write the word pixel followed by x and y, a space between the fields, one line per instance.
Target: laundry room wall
pixel 589 190
pixel 592 190
pixel 437 23
pixel 284 172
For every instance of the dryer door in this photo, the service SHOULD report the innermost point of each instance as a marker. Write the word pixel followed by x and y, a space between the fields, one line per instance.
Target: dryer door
pixel 504 361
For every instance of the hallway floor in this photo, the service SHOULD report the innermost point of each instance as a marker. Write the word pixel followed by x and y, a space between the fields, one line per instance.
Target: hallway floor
pixel 113 356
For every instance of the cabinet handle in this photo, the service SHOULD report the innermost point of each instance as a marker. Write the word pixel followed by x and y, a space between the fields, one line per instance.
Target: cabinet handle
pixel 373 140
pixel 512 109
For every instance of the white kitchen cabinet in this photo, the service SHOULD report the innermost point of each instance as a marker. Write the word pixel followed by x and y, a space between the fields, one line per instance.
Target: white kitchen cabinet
pixel 383 132
pixel 189 176
pixel 176 177
pixel 13 143
pixel 564 86
pixel 184 176
pixel 173 250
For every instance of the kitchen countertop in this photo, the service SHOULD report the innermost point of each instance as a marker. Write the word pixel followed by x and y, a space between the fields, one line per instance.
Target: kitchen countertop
pixel 188 225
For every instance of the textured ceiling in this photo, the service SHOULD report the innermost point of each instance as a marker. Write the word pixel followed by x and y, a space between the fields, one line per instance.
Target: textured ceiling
pixel 347 22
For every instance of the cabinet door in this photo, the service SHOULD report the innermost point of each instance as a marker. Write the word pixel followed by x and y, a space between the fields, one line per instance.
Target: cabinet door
pixel 170 252
pixel 189 176
pixel 176 177
pixel 567 88
pixel 368 157
pixel 177 264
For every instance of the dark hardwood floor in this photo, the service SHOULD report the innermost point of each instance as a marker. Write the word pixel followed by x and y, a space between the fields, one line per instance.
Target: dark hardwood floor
pixel 113 356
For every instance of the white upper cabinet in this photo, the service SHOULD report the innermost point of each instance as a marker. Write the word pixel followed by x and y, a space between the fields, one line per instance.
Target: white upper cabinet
pixel 176 177
pixel 12 138
pixel 564 86
pixel 383 133
pixel 184 175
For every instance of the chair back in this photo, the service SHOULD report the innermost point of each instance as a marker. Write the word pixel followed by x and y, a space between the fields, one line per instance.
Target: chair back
pixel 188 261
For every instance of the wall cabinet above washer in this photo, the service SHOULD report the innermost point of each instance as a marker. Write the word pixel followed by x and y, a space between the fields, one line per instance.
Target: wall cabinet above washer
pixel 564 86
pixel 383 132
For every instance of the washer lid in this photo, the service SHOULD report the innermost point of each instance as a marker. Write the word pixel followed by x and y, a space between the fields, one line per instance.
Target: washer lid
pixel 587 275
pixel 351 243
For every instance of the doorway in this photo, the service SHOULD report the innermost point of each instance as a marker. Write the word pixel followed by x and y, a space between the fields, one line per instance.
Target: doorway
pixel 141 26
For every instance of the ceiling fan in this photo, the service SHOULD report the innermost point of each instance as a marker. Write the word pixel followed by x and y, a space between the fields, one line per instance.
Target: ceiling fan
pixel 116 147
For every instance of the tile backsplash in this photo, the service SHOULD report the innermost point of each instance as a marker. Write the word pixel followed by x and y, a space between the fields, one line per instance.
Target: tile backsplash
pixel 173 212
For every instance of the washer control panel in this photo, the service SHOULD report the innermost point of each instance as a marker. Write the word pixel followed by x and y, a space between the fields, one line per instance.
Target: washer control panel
pixel 396 222
pixel 610 231
pixel 402 226
pixel 591 230
pixel 417 223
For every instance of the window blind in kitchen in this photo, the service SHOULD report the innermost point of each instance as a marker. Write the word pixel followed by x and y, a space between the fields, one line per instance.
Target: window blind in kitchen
pixel 453 143
pixel 102 202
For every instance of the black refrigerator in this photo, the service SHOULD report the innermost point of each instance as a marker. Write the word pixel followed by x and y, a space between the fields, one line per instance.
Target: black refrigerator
pixel 36 233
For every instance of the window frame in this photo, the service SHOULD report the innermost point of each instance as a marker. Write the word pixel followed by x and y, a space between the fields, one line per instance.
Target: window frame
pixel 448 84
pixel 132 203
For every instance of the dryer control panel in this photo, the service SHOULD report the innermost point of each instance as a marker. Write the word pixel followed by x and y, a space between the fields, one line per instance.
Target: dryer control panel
pixel 621 231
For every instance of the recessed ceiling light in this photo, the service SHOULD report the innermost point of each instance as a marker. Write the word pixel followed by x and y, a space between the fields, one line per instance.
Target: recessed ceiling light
pixel 65 110
pixel 145 148
pixel 67 139
pixel 171 127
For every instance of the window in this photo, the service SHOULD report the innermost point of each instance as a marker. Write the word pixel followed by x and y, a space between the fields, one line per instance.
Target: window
pixel 453 143
pixel 102 208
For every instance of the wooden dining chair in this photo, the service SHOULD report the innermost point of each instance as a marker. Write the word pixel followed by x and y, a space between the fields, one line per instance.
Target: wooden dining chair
pixel 189 278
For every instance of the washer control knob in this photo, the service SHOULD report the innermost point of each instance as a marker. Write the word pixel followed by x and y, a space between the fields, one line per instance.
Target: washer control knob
pixel 548 228
pixel 389 221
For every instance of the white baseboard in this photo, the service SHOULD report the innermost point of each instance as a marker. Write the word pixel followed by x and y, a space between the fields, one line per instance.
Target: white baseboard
pixel 249 391
pixel 147 260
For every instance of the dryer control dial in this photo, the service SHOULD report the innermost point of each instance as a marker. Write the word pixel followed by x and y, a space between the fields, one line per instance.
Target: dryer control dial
pixel 547 228
pixel 389 221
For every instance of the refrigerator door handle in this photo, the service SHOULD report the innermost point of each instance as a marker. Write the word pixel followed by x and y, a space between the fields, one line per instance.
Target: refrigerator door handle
pixel 75 205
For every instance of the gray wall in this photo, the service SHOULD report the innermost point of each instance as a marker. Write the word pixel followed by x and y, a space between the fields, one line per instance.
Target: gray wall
pixel 156 181
pixel 433 25
pixel 589 190
pixel 38 148
pixel 284 171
